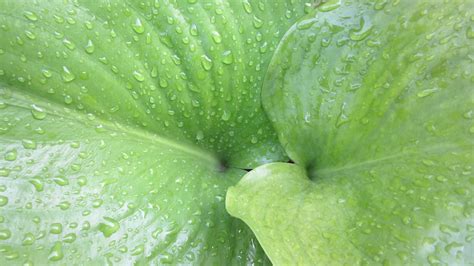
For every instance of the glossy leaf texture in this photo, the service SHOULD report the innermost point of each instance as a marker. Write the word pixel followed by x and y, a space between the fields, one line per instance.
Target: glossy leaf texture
pixel 373 101
pixel 115 116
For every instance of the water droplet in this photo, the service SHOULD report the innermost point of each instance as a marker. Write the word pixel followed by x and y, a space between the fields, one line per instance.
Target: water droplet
pixel 364 30
pixel 46 73
pixel 37 184
pixel 225 116
pixel 427 92
pixel 257 23
pixel 247 6
pixel 56 252
pixel 138 26
pixel 37 112
pixel 56 228
pixel 216 37
pixel 305 24
pixel 163 82
pixel 61 180
pixel 5 234
pixel 10 155
pixel 380 4
pixel 138 250
pixel 67 75
pixel 227 57
pixel 342 118
pixel 470 32
pixel 30 15
pixel 199 135
pixel 3 201
pixel 254 139
pixel 193 30
pixel 69 45
pixel 138 75
pixel 69 238
pixel 329 6
pixel 28 239
pixel 109 226
pixel 206 62
pixel 89 48
pixel 82 181
pixel 30 35
pixel 97 203
pixel 64 205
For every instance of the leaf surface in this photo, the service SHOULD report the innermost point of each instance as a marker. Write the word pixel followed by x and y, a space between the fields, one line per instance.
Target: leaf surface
pixel 117 118
pixel 373 101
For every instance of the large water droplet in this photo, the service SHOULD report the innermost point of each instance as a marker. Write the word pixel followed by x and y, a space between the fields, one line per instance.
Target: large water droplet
pixel 206 62
pixel 427 92
pixel 247 6
pixel 138 75
pixel 69 45
pixel 37 112
pixel 37 184
pixel 30 15
pixel 89 48
pixel 138 26
pixel 109 226
pixel 56 252
pixel 193 30
pixel 364 30
pixel 216 37
pixel 5 234
pixel 56 228
pixel 225 116
pixel 3 201
pixel 10 155
pixel 227 57
pixel 28 239
pixel 67 75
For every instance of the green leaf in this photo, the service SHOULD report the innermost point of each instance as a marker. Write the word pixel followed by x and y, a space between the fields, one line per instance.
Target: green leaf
pixel 373 101
pixel 118 118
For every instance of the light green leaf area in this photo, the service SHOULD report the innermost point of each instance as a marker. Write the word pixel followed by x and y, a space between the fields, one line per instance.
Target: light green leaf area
pixel 116 120
pixel 373 101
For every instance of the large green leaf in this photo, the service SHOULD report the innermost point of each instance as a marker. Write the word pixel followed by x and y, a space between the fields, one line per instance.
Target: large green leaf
pixel 117 117
pixel 373 101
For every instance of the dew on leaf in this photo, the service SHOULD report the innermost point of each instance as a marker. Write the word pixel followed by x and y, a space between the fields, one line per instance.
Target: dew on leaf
pixel 10 155
pixel 427 92
pixel 67 75
pixel 216 37
pixel 227 57
pixel 206 62
pixel 362 32
pixel 138 75
pixel 30 35
pixel 38 112
pixel 56 252
pixel 3 201
pixel 30 15
pixel 46 73
pixel 109 226
pixel 69 238
pixel 37 184
pixel 193 30
pixel 89 48
pixel 28 239
pixel 247 6
pixel 225 116
pixel 56 228
pixel 5 234
pixel 138 26
pixel 69 45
